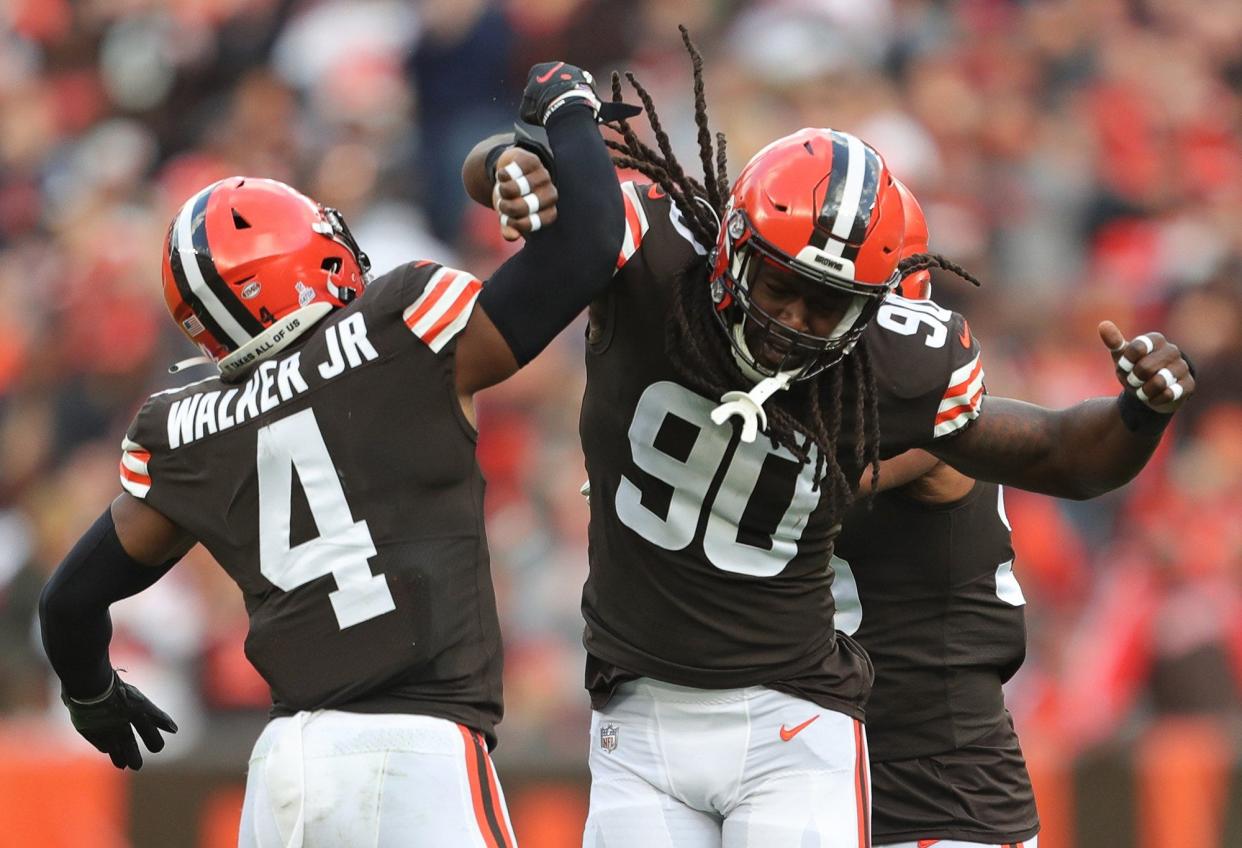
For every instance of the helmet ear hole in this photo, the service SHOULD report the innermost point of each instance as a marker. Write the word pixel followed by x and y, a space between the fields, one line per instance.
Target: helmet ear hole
pixel 332 264
pixel 239 222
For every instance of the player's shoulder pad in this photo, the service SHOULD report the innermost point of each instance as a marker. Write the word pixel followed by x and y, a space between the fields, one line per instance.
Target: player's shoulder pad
pixel 926 354
pixel 152 430
pixel 650 212
pixel 434 301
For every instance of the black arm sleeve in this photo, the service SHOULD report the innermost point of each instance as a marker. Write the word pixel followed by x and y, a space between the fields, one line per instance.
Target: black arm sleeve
pixel 73 609
pixel 540 289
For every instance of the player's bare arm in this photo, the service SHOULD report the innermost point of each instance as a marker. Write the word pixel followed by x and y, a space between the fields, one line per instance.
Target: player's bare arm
pixel 1089 448
pixel 146 534
pixel 899 471
pixel 561 268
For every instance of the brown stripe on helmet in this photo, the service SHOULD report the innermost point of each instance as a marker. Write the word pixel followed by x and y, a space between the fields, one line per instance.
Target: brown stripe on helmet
pixel 191 300
pixel 207 267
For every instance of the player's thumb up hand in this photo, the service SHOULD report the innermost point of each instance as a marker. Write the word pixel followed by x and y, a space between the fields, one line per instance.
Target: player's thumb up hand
pixel 1113 338
pixel 1150 367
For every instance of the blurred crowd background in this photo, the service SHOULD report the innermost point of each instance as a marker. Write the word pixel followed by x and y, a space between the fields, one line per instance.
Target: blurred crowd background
pixel 1082 157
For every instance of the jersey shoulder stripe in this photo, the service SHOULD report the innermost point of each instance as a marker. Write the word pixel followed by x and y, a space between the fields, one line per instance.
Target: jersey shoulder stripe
pixel 444 307
pixel 636 223
pixel 135 478
pixel 960 404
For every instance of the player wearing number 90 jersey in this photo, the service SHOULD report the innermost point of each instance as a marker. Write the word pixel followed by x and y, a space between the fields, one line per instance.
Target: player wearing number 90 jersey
pixel 329 468
pixel 708 566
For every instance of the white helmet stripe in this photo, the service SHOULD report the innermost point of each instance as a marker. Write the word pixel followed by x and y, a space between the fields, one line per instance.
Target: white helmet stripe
pixel 184 245
pixel 851 196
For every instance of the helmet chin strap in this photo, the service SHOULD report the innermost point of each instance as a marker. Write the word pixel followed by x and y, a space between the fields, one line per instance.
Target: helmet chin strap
pixel 749 405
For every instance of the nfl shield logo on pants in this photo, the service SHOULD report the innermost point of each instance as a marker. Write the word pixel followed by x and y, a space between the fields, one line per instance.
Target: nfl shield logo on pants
pixel 608 738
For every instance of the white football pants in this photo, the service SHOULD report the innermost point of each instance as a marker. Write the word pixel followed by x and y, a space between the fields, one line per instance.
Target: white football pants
pixel 674 767
pixel 329 778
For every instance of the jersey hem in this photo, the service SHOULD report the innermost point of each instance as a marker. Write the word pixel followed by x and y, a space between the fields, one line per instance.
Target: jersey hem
pixel 467 716
pixel 982 836
pixel 779 681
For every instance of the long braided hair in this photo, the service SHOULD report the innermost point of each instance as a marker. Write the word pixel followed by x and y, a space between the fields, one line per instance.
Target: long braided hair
pixel 924 261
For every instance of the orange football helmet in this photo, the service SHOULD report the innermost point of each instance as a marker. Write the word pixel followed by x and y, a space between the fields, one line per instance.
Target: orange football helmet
pixel 820 203
pixel 250 264
pixel 916 286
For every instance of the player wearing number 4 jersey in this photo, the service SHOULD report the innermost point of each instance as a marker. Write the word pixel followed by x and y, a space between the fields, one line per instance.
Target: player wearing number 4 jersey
pixel 329 468
pixel 747 363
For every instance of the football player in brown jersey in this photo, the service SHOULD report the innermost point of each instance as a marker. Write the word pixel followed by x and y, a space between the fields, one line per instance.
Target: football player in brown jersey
pixel 329 468
pixel 924 581
pixel 727 708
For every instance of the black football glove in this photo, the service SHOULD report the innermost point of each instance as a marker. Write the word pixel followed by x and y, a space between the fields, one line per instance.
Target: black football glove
pixel 106 722
pixel 550 85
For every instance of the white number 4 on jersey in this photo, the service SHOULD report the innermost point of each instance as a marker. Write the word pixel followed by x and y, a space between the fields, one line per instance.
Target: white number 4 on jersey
pixel 343 546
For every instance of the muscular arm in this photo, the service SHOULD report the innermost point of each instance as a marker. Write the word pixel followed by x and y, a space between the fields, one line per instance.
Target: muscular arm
pixel 128 548
pixel 1087 449
pixel 1078 453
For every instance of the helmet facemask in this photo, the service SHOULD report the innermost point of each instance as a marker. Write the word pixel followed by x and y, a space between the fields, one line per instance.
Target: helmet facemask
pixel 803 354
pixel 333 225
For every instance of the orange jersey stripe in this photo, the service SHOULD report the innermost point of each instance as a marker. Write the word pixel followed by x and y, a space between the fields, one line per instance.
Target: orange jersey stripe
pixel 633 228
pixel 134 477
pixel 430 300
pixel 960 388
pixel 452 313
pixel 950 414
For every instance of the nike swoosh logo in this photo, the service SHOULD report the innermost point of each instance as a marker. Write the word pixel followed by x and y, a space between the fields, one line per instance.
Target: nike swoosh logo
pixel 542 79
pixel 964 338
pixel 788 733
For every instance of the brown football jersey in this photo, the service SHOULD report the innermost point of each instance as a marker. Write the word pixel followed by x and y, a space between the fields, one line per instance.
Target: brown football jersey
pixel 337 485
pixel 709 555
pixel 929 592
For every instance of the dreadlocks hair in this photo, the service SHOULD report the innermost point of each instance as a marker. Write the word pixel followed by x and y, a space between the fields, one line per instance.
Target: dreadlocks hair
pixel 924 261
pixel 807 420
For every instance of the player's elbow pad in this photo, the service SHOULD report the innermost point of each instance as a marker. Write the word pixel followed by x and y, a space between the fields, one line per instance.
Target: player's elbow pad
pixel 540 290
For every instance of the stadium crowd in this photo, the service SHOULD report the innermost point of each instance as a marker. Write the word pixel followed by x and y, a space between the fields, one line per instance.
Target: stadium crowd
pixel 1083 158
